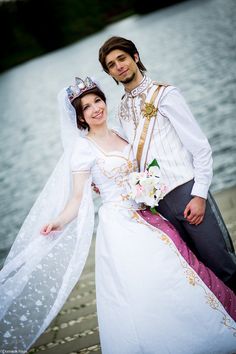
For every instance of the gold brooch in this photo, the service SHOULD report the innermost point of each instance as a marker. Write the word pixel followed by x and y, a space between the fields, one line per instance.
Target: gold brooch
pixel 149 110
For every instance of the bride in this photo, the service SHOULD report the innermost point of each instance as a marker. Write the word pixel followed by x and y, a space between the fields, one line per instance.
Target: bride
pixel 153 295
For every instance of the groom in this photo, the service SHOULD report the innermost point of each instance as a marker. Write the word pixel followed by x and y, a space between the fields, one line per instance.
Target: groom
pixel 159 124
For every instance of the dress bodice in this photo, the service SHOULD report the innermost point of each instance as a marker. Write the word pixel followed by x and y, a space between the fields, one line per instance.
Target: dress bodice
pixel 110 170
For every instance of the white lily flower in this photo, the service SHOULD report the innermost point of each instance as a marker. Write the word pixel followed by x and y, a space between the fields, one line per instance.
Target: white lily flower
pixel 155 171
pixel 147 187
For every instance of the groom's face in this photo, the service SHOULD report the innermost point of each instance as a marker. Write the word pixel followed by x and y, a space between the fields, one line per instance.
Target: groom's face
pixel 121 66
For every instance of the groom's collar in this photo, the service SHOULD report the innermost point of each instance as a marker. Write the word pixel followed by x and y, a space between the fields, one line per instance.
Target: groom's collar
pixel 140 88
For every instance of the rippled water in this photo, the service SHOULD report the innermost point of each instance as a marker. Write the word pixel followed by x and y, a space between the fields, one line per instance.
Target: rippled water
pixel 190 45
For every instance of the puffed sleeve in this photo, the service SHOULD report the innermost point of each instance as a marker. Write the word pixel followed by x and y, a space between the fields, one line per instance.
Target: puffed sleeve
pixel 82 157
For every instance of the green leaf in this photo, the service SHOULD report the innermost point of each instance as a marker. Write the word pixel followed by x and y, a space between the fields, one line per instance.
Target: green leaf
pixel 153 210
pixel 153 163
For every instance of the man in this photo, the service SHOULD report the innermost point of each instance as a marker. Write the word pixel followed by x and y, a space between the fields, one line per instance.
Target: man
pixel 159 124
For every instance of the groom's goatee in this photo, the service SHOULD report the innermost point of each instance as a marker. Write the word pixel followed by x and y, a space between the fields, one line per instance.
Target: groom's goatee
pixel 128 80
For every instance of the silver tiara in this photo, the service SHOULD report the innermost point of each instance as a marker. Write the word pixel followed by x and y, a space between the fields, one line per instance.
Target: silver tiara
pixel 80 87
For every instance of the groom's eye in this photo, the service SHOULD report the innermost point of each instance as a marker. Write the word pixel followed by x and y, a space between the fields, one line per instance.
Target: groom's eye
pixel 110 65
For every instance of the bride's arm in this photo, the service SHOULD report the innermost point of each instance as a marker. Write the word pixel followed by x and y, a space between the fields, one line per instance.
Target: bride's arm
pixel 72 207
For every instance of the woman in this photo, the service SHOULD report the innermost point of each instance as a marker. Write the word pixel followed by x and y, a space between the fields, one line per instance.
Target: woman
pixel 153 296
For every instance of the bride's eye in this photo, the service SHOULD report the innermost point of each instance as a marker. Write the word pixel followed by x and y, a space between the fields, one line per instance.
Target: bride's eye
pixel 98 99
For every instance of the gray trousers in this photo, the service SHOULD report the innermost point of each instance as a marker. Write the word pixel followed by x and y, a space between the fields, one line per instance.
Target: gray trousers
pixel 210 241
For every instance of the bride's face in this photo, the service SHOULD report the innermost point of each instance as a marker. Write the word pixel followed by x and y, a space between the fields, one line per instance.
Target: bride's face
pixel 94 110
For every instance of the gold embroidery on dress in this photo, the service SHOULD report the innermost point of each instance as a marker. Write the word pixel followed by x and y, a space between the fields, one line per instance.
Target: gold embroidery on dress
pixel 120 173
pixel 124 197
pixel 165 239
pixel 135 216
pixel 191 275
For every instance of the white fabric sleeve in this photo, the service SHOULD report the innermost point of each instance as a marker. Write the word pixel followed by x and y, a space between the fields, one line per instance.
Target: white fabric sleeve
pixel 174 107
pixel 82 157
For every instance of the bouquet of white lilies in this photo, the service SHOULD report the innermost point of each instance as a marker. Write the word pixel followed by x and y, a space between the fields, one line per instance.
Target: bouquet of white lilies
pixel 147 187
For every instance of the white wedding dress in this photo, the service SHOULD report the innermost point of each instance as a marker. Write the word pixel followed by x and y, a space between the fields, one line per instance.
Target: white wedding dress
pixel 146 301
pixel 149 299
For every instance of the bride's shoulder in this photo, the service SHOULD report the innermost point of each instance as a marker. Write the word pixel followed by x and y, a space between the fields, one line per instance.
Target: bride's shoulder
pixel 82 146
pixel 81 142
pixel 82 157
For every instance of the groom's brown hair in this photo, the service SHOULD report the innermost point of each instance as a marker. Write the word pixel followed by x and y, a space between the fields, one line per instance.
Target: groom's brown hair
pixel 119 43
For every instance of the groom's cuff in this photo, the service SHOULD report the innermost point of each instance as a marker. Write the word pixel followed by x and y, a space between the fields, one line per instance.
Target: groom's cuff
pixel 200 190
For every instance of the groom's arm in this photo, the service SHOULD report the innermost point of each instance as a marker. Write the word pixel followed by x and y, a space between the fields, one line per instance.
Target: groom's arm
pixel 174 107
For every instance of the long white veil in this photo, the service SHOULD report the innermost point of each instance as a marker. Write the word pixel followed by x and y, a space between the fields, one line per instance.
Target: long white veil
pixel 40 271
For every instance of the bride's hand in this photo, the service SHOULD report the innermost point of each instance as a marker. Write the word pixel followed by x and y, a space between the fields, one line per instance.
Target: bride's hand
pixel 51 226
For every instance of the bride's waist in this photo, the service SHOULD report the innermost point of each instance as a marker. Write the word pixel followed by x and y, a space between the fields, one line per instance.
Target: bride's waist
pixel 123 203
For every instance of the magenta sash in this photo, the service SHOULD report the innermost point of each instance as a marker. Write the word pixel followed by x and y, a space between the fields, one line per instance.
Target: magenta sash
pixel 218 288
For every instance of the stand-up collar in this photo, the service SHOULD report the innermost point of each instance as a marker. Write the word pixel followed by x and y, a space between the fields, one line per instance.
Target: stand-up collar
pixel 140 88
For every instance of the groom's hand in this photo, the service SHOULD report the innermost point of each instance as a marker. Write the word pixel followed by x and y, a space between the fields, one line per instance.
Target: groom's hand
pixel 195 210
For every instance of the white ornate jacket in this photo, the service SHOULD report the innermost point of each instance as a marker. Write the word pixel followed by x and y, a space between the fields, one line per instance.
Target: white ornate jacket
pixel 174 138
